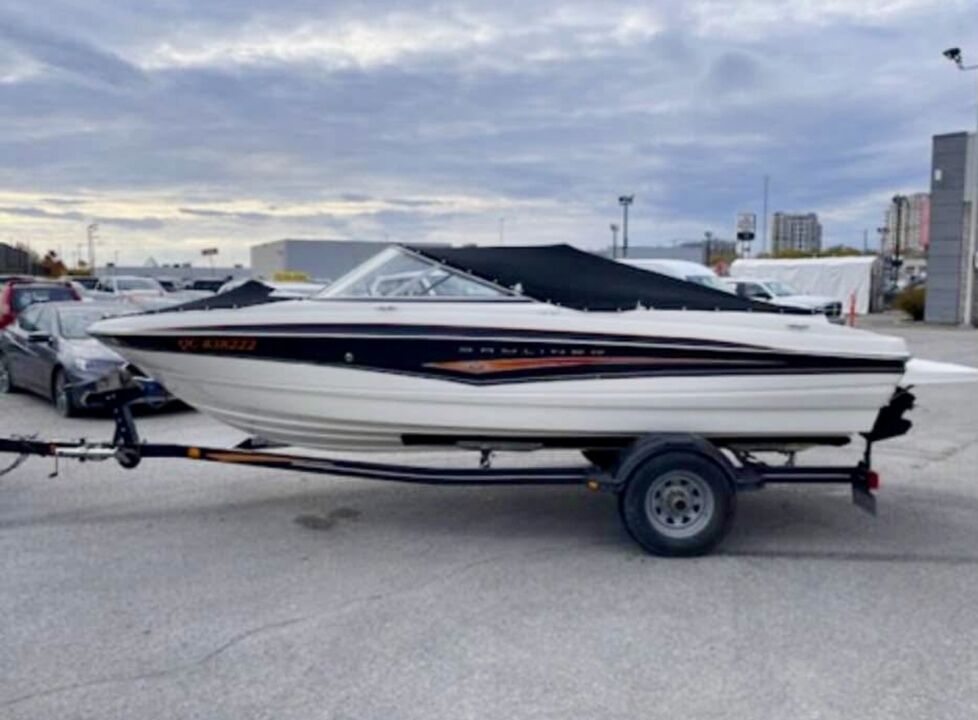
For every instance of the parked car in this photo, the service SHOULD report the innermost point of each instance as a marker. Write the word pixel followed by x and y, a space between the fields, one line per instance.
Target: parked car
pixel 83 293
pixel 18 278
pixel 682 269
pixel 209 284
pixel 48 351
pixel 17 295
pixel 780 293
pixel 171 283
pixel 126 286
pixel 89 282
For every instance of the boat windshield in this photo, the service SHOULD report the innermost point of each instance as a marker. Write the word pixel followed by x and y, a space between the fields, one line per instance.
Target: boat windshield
pixel 396 272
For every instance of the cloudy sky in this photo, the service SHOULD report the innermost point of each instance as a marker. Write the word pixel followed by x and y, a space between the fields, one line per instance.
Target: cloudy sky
pixel 182 124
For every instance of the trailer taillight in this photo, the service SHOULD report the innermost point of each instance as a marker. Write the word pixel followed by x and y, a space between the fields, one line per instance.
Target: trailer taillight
pixel 873 480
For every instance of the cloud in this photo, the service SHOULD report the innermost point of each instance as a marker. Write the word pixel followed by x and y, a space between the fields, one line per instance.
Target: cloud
pixel 177 124
pixel 67 54
pixel 140 223
pixel 361 43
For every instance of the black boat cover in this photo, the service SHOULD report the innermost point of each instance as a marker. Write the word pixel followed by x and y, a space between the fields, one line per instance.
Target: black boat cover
pixel 251 293
pixel 563 275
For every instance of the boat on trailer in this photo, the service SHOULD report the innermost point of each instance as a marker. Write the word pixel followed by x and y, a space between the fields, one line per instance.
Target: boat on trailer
pixel 668 388
pixel 504 348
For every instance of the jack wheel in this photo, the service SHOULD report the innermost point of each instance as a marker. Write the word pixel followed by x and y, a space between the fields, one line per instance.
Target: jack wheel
pixel 128 458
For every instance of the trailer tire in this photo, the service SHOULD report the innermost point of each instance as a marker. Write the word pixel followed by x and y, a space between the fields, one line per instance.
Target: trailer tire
pixel 677 504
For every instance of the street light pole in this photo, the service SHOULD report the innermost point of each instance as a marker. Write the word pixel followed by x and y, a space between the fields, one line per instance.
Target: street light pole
pixel 91 230
pixel 614 241
pixel 954 55
pixel 897 261
pixel 767 188
pixel 624 201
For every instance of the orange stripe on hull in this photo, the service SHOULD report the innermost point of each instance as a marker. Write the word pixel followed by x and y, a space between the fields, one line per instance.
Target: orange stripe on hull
pixel 485 367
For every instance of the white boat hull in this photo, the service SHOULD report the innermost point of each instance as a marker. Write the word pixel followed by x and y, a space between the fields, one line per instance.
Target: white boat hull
pixel 350 409
pixel 371 376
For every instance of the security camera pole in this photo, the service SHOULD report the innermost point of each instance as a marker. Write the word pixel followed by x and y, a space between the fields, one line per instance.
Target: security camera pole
pixel 745 232
pixel 954 55
pixel 624 201
pixel 209 253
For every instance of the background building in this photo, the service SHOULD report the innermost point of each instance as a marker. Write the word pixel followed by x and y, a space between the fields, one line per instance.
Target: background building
pixel 913 225
pixel 320 259
pixel 951 188
pixel 791 231
pixel 14 260
pixel 176 271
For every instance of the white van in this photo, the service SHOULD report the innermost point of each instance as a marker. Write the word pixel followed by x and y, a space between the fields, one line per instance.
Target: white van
pixel 682 269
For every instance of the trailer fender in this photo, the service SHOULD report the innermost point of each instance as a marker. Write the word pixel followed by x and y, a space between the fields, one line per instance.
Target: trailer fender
pixel 646 448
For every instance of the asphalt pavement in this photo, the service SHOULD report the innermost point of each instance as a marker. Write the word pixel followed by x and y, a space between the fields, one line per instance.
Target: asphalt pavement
pixel 183 590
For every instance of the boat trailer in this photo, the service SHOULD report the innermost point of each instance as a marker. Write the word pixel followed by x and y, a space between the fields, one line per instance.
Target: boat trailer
pixel 676 492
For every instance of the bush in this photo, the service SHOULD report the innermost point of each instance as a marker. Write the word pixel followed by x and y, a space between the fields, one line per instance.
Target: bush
pixel 912 301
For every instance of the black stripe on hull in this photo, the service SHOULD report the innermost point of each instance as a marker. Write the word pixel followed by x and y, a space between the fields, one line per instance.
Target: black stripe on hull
pixel 606 442
pixel 482 360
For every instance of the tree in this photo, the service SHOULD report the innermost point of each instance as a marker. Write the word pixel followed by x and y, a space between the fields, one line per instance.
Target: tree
pixel 834 251
pixel 51 264
pixel 840 251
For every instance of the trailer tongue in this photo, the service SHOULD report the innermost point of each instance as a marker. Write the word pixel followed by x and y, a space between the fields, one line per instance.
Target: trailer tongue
pixel 676 492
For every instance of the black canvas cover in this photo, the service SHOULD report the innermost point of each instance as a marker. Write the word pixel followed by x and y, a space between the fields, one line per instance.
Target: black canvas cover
pixel 251 293
pixel 563 275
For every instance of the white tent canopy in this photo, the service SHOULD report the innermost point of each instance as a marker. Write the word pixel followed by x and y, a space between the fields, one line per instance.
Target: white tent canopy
pixel 835 277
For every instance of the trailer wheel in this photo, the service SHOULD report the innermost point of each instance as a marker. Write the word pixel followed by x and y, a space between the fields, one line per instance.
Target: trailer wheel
pixel 677 504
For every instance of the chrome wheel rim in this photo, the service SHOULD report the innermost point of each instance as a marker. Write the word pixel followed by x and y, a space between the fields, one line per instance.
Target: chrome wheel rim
pixel 679 504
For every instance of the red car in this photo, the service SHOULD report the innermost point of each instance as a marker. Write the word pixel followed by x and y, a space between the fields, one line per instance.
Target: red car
pixel 15 295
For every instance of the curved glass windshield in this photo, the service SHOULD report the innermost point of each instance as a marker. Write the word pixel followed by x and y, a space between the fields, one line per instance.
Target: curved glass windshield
pixel 398 273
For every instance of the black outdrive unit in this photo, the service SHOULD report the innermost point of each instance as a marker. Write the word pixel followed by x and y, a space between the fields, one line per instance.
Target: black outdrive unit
pixel 676 492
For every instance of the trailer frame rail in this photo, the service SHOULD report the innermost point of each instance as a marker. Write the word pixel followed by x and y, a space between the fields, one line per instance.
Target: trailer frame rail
pixel 719 471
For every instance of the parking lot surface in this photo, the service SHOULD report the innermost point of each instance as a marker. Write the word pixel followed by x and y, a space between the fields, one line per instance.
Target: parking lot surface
pixel 181 590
